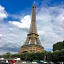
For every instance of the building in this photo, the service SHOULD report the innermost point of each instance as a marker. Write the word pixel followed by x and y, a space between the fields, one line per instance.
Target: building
pixel 32 43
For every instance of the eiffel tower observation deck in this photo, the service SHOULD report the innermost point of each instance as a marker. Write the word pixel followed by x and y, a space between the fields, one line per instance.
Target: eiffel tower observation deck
pixel 32 43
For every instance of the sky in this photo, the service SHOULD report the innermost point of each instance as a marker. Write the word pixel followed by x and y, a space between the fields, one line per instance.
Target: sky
pixel 15 19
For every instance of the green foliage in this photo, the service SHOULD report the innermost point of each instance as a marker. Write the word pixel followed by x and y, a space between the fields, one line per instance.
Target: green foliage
pixel 58 46
pixel 56 55
pixel 49 56
pixel 32 56
pixel 15 56
pixel 0 56
pixel 7 55
pixel 62 55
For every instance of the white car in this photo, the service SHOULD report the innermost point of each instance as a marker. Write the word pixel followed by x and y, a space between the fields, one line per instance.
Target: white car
pixel 45 62
pixel 24 62
pixel 34 62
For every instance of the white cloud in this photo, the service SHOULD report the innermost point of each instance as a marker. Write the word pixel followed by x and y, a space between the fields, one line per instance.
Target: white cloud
pixel 23 23
pixel 3 13
pixel 1 35
pixel 11 37
pixel 50 21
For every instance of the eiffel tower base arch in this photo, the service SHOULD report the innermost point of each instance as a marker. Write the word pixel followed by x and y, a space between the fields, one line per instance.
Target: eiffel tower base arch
pixel 31 48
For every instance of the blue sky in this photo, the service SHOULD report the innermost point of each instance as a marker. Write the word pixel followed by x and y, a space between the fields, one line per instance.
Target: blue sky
pixel 17 6
pixel 15 19
pixel 20 6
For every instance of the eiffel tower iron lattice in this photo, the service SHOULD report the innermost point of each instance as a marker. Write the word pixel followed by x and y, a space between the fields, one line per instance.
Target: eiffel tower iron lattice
pixel 32 39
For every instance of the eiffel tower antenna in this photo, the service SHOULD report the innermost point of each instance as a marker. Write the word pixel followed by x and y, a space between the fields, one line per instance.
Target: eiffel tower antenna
pixel 34 2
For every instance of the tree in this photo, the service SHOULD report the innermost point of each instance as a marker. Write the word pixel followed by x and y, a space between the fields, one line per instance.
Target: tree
pixel 15 55
pixel 56 56
pixel 32 56
pixel 7 55
pixel 62 55
pixel 49 56
pixel 58 46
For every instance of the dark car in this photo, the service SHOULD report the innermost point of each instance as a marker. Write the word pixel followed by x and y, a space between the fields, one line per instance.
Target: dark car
pixel 3 63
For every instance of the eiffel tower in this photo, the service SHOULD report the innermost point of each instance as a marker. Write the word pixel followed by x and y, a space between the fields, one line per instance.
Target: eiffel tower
pixel 32 43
